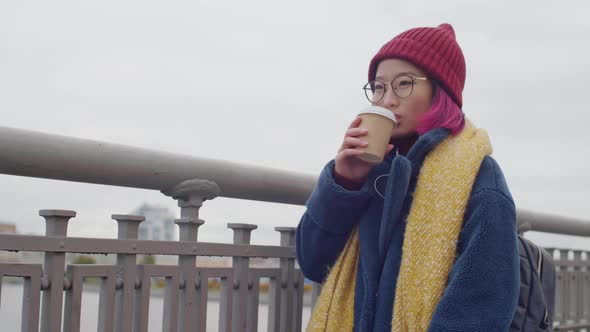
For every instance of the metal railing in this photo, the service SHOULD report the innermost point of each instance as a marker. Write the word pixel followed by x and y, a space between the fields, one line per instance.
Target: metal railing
pixel 572 296
pixel 125 286
pixel 572 292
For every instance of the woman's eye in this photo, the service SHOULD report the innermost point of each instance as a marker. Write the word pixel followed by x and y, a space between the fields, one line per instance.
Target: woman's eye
pixel 378 87
pixel 404 83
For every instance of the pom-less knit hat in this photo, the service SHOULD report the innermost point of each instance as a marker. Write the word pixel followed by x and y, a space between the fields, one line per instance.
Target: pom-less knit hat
pixel 434 50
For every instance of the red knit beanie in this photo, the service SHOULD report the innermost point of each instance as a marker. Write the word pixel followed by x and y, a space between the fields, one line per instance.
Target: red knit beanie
pixel 435 50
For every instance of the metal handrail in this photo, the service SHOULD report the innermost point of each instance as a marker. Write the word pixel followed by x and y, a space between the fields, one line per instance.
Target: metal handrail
pixel 540 222
pixel 40 155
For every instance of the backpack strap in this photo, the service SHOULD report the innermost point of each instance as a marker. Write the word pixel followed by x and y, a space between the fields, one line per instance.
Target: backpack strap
pixel 538 274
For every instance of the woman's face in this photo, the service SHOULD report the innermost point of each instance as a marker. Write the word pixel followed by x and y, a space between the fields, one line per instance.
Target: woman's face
pixel 407 110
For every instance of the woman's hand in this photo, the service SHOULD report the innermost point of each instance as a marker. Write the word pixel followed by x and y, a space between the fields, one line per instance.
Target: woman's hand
pixel 349 171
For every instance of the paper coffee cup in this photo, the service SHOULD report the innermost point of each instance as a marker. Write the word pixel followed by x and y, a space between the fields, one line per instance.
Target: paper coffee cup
pixel 379 122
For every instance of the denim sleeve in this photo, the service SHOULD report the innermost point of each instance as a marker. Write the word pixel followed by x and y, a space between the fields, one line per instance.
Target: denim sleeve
pixel 483 285
pixel 332 211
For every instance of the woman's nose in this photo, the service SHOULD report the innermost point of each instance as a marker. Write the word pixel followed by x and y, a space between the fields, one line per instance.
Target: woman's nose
pixel 390 98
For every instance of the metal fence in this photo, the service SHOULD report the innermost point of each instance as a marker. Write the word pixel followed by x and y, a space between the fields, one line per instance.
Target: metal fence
pixel 572 298
pixel 125 286
pixel 572 293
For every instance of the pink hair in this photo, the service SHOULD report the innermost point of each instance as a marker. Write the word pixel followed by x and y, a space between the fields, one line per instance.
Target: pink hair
pixel 443 113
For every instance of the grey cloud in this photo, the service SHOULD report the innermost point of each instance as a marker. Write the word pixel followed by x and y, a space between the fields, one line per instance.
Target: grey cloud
pixel 276 84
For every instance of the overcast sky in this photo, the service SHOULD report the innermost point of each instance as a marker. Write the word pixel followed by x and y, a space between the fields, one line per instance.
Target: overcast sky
pixel 275 83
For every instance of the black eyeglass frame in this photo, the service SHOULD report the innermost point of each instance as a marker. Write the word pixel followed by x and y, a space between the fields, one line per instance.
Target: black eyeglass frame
pixel 369 90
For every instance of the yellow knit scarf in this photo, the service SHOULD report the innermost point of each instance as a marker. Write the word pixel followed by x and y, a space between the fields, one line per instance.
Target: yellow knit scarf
pixel 430 240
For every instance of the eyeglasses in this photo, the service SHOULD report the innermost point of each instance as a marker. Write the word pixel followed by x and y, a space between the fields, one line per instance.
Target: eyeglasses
pixel 402 86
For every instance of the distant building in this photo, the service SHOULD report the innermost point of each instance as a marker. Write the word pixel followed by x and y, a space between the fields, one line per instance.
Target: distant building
pixel 7 228
pixel 7 256
pixel 158 225
pixel 261 262
pixel 212 261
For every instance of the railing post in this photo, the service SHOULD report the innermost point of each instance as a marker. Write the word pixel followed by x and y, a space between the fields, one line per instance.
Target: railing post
pixel 190 195
pixel 128 226
pixel 240 265
pixel 315 293
pixel 56 224
pixel 570 280
pixel 287 266
pixel 299 288
pixel 578 284
pixel 560 313
pixel 586 288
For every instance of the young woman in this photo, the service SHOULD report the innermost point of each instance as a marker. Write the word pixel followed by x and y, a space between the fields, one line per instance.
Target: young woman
pixel 425 240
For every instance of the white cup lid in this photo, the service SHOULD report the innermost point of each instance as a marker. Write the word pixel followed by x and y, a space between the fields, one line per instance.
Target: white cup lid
pixel 380 111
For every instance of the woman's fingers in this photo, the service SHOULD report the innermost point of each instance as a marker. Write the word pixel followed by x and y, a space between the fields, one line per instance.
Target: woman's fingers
pixel 355 132
pixel 355 123
pixel 353 142
pixel 346 153
pixel 389 148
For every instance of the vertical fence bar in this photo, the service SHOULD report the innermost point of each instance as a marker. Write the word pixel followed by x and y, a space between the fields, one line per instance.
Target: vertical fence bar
pixel 31 274
pixel 586 288
pixel 170 307
pixel 578 284
pixel 225 303
pixel 315 293
pixel 106 302
pixel 56 225
pixel 204 274
pixel 190 195
pixel 202 292
pixel 30 308
pixel 170 314
pixel 128 226
pixel 253 302
pixel 74 290
pixel 240 267
pixel 560 295
pixel 189 305
pixel 571 290
pixel 142 300
pixel 274 303
pixel 299 288
pixel 566 287
pixel 287 266
pixel 72 309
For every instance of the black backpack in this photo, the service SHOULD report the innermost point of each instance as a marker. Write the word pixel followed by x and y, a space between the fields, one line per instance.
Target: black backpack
pixel 536 300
